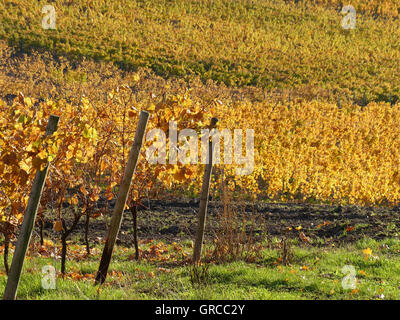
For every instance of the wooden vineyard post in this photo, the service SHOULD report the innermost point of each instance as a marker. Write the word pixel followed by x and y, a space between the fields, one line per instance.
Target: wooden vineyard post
pixel 10 292
pixel 121 199
pixel 204 199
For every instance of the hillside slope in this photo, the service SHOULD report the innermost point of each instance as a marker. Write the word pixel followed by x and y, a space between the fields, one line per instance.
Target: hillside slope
pixel 269 44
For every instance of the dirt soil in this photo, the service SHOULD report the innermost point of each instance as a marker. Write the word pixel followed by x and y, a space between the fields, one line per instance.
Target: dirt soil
pixel 321 224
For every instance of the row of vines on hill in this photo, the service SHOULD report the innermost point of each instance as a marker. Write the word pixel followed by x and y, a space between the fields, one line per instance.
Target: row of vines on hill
pixel 303 150
pixel 272 44
pixel 88 154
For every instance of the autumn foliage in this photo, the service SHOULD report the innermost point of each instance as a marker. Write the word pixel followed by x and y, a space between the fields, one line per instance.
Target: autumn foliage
pixel 303 151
